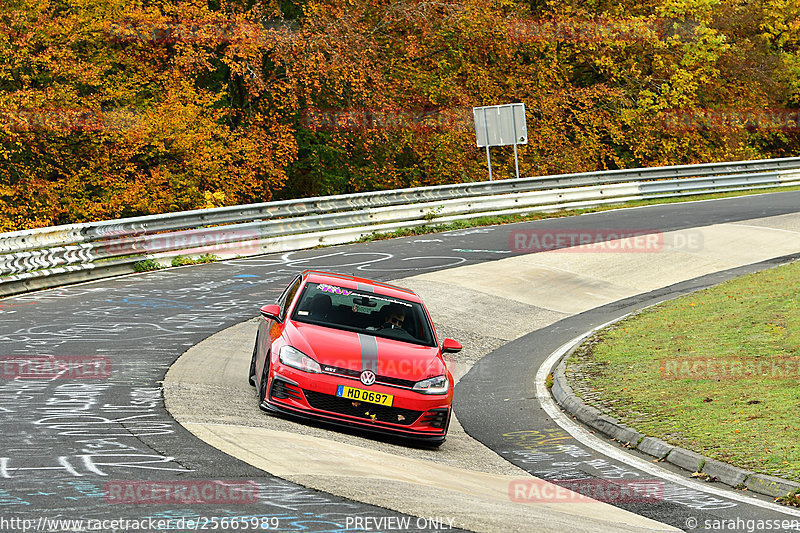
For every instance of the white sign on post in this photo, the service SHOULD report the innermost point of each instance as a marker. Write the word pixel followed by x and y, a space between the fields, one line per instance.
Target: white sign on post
pixel 500 125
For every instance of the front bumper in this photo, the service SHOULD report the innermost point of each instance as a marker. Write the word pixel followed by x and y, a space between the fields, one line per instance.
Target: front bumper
pixel 412 415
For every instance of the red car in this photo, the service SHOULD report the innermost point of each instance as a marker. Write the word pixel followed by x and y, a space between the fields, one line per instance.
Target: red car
pixel 357 352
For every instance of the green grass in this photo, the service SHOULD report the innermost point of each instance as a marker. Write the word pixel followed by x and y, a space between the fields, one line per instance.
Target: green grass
pixel 639 371
pixel 432 227
pixel 180 260
pixel 147 265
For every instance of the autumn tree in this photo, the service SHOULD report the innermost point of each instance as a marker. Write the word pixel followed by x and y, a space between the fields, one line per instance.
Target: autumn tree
pixel 114 109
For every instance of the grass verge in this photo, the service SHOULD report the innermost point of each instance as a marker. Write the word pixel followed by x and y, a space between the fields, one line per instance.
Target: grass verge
pixel 716 371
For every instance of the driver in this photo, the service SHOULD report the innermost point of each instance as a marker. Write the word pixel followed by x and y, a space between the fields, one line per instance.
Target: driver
pixel 392 316
pixel 395 317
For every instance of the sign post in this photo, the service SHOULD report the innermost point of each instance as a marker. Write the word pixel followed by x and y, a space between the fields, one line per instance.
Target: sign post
pixel 500 125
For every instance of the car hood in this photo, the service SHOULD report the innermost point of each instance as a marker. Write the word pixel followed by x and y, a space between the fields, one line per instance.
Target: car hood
pixel 353 351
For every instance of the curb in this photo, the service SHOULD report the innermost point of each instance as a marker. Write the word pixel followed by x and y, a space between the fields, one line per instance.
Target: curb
pixel 736 478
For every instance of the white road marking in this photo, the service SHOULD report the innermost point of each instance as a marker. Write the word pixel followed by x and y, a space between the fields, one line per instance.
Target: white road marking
pixel 582 435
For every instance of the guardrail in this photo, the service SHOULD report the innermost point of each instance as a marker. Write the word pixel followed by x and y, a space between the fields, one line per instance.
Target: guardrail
pixel 48 257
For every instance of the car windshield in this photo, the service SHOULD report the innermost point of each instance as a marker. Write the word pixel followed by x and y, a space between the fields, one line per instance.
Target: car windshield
pixel 364 312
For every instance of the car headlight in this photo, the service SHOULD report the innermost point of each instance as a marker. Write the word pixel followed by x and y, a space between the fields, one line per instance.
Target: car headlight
pixel 437 385
pixel 296 359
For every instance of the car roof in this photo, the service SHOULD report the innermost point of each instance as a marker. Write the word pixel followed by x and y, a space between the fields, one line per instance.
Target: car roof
pixel 353 282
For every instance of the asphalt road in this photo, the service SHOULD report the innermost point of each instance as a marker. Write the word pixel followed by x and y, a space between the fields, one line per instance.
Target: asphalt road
pixel 68 442
pixel 510 420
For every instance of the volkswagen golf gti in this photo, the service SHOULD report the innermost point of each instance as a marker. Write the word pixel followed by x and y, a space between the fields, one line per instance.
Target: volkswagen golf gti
pixel 355 352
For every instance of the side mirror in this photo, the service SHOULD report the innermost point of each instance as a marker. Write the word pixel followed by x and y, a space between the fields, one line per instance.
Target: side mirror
pixel 271 311
pixel 451 346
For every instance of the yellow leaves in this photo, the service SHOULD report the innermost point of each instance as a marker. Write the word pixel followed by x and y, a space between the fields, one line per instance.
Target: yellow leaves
pixel 213 199
pixel 700 10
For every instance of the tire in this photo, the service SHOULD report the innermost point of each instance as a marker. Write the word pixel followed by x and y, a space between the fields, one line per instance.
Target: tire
pixel 251 376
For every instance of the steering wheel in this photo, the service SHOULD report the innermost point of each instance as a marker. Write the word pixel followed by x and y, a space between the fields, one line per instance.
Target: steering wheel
pixel 397 331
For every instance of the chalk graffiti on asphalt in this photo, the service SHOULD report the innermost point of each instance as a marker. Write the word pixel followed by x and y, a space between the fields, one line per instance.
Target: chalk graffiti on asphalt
pixel 554 455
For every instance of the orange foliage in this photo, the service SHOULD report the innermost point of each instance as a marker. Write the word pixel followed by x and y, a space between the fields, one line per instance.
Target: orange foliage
pixel 112 108
pixel 119 109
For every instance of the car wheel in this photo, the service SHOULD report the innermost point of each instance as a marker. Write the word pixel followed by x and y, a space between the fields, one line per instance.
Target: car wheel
pixel 262 389
pixel 251 376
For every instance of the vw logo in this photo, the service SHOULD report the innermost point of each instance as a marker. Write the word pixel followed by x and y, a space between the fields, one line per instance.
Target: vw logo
pixel 367 377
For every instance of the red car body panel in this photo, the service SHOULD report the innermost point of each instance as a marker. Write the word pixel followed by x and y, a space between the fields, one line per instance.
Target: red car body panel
pixel 342 355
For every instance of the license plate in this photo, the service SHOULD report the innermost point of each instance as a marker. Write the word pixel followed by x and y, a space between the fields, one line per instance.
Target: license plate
pixel 364 395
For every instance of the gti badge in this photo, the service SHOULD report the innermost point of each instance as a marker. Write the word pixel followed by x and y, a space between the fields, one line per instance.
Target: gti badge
pixel 367 377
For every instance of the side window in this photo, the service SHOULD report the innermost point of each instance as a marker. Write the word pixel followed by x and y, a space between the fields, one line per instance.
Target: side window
pixel 281 300
pixel 286 298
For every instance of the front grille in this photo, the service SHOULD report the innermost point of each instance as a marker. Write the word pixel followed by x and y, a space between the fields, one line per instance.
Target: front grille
pixel 282 390
pixel 385 380
pixel 367 411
